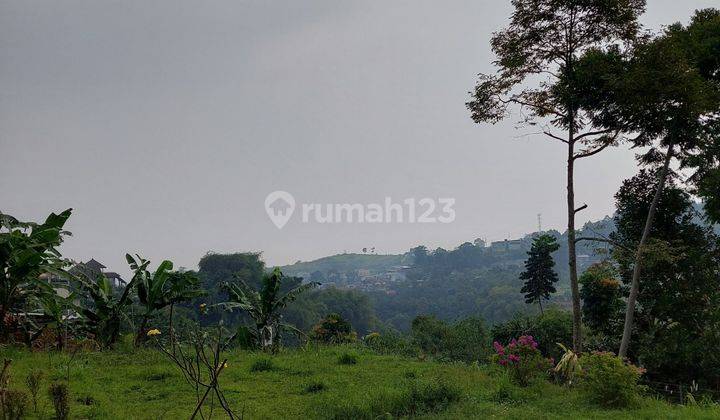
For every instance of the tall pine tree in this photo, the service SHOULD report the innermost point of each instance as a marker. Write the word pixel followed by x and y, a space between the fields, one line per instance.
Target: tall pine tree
pixel 539 274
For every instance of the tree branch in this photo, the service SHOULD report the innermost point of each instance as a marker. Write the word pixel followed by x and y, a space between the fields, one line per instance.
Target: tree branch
pixel 581 208
pixel 592 133
pixel 605 240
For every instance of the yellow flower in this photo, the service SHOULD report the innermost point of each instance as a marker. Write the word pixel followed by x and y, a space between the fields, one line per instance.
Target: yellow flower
pixel 224 365
pixel 202 306
pixel 152 332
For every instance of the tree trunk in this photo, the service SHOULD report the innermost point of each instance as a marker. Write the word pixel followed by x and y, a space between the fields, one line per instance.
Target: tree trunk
pixel 541 309
pixel 572 257
pixel 637 269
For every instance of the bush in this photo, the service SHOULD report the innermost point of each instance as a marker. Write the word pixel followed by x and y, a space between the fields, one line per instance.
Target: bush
pixel 390 343
pixel 555 326
pixel 59 395
pixel 608 381
pixel 262 365
pixel 333 329
pixel 522 359
pixel 348 359
pixel 14 404
pixel 465 341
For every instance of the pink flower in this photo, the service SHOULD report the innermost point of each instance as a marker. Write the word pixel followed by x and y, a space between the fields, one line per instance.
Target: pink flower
pixel 499 348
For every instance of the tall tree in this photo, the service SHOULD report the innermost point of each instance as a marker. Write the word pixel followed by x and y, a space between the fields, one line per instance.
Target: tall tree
pixel 539 275
pixel 543 42
pixel 666 91
pixel 679 297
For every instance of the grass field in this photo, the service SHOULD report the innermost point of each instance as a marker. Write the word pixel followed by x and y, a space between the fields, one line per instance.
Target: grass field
pixel 305 384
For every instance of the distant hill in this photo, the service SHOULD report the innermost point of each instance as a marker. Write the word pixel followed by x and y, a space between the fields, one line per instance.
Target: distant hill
pixel 345 263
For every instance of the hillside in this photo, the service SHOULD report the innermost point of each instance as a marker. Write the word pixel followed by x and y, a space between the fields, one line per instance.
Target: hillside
pixel 312 384
pixel 374 263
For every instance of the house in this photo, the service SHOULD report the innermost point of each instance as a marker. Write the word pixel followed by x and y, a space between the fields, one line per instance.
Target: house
pixel 93 269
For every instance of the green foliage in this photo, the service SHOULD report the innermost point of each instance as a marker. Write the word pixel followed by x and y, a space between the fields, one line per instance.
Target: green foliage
pixel 676 315
pixel 264 306
pixel 14 405
pixel 539 274
pixel 33 381
pixel 161 288
pixel 466 340
pixel 264 364
pixel 314 387
pixel 124 392
pixel 602 299
pixel 60 397
pixel 333 329
pixel 344 263
pixel 390 342
pixel 415 398
pixel 105 316
pixel 568 367
pixel 505 391
pixel 348 358
pixel 28 250
pixel 554 326
pixel 522 359
pixel 608 381
pixel 215 269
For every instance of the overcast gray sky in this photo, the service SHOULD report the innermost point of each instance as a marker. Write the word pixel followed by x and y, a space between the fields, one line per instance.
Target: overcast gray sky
pixel 164 124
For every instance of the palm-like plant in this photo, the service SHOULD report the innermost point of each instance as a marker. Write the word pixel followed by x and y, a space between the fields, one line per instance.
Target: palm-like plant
pixel 105 317
pixel 28 250
pixel 58 311
pixel 161 288
pixel 568 367
pixel 265 306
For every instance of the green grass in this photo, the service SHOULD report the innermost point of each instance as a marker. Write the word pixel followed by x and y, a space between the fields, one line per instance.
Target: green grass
pixel 312 384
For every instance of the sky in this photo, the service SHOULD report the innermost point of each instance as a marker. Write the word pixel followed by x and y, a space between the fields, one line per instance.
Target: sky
pixel 165 125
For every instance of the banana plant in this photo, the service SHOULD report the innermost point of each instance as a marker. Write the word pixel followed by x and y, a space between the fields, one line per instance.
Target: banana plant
pixel 28 250
pixel 58 311
pixel 160 289
pixel 265 306
pixel 104 318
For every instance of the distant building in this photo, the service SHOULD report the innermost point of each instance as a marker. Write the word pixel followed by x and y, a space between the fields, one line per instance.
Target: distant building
pixel 507 245
pixel 93 269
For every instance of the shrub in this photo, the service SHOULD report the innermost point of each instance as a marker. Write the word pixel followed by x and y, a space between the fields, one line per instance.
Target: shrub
pixel 59 395
pixel 390 343
pixel 466 340
pixel 262 365
pixel 14 404
pixel 348 358
pixel 33 380
pixel 333 329
pixel 568 367
pixel 608 381
pixel 314 387
pixel 522 359
pixel 554 326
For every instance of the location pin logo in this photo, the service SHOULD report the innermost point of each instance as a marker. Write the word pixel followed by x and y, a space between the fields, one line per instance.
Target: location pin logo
pixel 280 206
